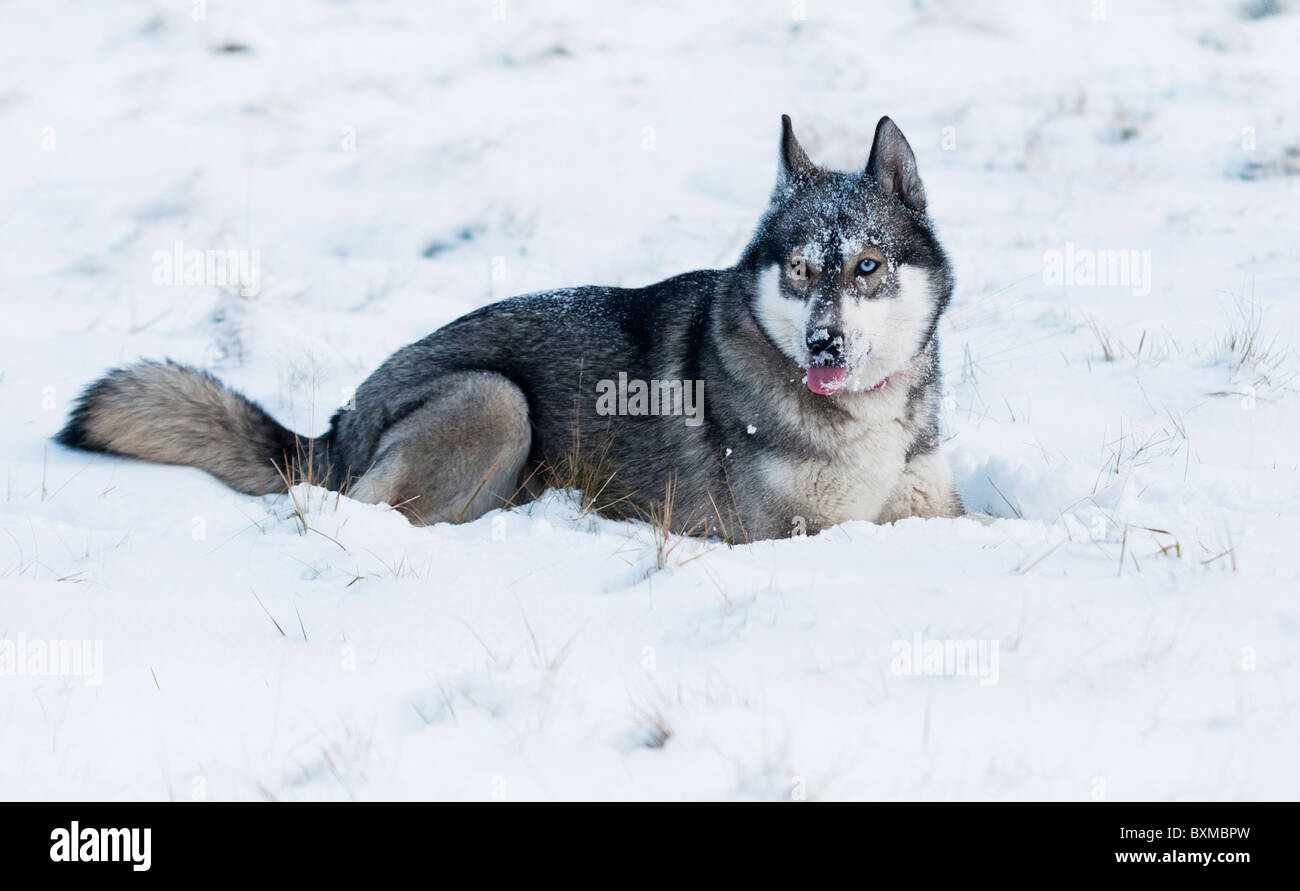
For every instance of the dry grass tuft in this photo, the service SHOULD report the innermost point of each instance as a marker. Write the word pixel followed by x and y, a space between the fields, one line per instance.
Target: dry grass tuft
pixel 1245 340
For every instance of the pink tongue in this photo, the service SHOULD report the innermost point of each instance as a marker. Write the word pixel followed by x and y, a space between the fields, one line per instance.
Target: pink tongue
pixel 826 379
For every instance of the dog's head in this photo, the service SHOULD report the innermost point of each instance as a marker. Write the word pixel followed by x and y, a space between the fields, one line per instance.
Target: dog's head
pixel 849 279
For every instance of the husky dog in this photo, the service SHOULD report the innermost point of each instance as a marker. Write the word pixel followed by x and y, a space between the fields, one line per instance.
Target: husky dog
pixel 817 353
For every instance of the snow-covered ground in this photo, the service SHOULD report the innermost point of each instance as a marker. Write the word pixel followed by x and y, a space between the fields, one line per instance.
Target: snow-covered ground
pixel 394 165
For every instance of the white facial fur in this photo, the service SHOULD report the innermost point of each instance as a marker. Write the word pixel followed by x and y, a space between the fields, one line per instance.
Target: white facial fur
pixel 784 320
pixel 880 335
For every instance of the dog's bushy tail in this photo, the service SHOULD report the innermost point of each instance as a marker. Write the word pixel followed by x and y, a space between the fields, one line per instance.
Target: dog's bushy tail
pixel 174 414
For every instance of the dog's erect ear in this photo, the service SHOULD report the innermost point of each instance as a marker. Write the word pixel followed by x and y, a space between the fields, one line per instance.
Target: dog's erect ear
pixel 893 165
pixel 795 166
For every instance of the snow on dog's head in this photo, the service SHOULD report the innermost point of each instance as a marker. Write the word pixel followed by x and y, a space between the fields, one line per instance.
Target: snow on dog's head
pixel 850 278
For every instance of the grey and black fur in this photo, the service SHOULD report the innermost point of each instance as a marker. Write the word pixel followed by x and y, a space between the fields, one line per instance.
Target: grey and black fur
pixel 818 352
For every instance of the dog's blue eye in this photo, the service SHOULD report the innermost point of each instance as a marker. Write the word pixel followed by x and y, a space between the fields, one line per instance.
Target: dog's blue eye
pixel 866 267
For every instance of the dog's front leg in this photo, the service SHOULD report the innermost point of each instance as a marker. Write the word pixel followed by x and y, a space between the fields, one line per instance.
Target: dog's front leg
pixel 924 490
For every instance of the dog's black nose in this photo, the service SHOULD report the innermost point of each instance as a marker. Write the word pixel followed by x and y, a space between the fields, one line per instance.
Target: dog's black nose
pixel 826 345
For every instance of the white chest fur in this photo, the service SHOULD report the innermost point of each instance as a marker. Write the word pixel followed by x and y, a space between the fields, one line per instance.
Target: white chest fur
pixel 851 469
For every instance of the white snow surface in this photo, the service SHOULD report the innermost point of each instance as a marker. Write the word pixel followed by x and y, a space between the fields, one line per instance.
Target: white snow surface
pixel 543 654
